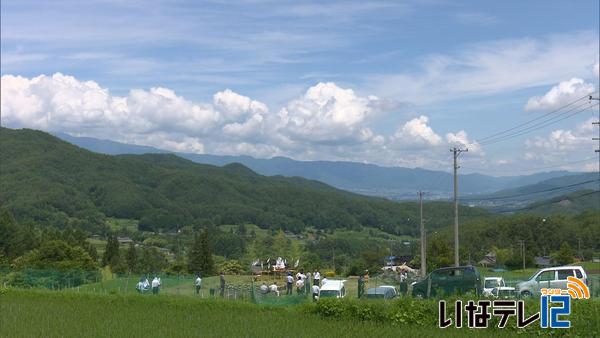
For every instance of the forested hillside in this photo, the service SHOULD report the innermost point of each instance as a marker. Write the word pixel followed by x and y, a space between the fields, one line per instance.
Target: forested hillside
pixel 47 181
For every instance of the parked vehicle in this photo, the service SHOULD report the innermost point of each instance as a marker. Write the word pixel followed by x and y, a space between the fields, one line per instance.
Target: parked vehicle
pixel 555 278
pixel 333 288
pixel 490 283
pixel 451 280
pixel 381 292
pixel 504 292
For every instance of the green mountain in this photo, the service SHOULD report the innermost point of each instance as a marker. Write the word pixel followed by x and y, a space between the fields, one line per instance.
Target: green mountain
pixel 572 203
pixel 45 180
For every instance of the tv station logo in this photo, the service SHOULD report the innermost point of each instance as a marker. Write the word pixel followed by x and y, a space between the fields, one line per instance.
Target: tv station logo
pixel 555 306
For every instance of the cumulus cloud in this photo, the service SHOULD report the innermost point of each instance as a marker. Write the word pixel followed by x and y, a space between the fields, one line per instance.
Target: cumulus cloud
pixel 560 143
pixel 460 139
pixel 416 133
pixel 326 122
pixel 156 117
pixel 560 95
pixel 327 113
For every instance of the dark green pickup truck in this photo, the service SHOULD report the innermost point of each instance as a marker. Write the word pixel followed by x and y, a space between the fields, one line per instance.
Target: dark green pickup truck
pixel 449 281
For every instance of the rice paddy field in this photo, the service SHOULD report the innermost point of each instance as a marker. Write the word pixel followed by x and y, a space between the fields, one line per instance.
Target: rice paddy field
pixel 37 313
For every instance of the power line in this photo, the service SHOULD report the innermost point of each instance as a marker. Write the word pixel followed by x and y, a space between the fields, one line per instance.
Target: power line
pixel 542 124
pixel 532 120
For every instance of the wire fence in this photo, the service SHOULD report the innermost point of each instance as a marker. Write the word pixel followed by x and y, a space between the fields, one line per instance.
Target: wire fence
pixel 236 288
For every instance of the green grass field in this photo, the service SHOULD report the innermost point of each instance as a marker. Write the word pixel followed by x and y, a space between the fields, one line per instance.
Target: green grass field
pixel 46 314
pixel 67 314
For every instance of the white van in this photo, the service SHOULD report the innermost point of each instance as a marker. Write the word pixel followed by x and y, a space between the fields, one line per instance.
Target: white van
pixel 554 278
pixel 333 288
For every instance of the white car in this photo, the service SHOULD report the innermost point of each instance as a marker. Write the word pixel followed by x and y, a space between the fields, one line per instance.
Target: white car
pixel 504 292
pixel 554 278
pixel 490 283
pixel 333 288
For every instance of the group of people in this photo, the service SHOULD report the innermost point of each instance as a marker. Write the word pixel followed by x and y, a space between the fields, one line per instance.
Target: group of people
pixel 271 288
pixel 303 283
pixel 144 285
pixel 198 283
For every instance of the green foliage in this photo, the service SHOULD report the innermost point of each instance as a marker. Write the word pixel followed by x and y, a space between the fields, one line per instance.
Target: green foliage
pixel 152 261
pixel 231 267
pixel 156 241
pixel 111 253
pixel 565 255
pixel 131 258
pixel 57 255
pixel 200 258
pixel 542 235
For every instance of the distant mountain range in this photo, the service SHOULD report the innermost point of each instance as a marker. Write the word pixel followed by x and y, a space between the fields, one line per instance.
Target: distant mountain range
pixel 368 179
pixel 47 181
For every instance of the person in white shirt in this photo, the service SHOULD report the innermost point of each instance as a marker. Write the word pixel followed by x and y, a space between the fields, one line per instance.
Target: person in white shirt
pixel 273 288
pixel 155 285
pixel 317 277
pixel 299 286
pixel 264 289
pixel 290 282
pixel 140 286
pixel 315 292
pixel 198 284
pixel 324 281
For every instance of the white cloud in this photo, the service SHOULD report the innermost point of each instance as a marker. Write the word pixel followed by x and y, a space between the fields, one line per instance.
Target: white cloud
pixel 492 67
pixel 415 134
pixel 596 68
pixel 233 106
pixel 560 95
pixel 327 113
pixel 560 144
pixel 460 139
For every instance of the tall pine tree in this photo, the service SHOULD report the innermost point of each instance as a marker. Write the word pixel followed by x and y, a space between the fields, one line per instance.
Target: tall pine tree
pixel 200 256
pixel 111 254
pixel 131 258
pixel 194 261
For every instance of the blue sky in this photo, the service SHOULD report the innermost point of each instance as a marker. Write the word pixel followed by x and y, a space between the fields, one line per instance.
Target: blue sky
pixel 384 82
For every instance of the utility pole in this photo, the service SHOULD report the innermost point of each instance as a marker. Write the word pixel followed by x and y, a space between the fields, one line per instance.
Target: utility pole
pixel 597 123
pixel 456 152
pixel 423 244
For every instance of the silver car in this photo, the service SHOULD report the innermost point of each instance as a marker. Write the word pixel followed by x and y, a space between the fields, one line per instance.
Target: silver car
pixel 554 278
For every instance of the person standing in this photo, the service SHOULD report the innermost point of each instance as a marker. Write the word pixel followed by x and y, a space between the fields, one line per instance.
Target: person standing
pixel 140 286
pixel 198 283
pixel 290 282
pixel 300 285
pixel 222 280
pixel 317 277
pixel 155 285
pixel 361 286
pixel 315 292
pixel 307 282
